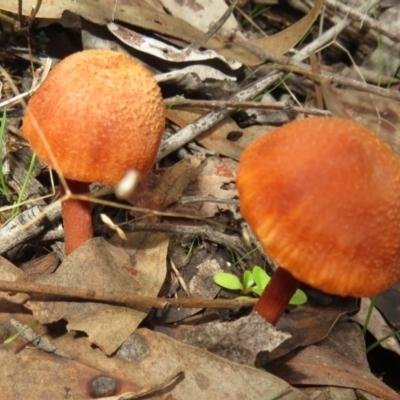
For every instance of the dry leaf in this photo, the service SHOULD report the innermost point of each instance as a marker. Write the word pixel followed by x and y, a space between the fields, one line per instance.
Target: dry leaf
pixel 202 13
pixel 207 376
pixel 137 265
pixel 164 51
pixel 162 188
pixel 9 272
pixel 215 180
pixel 85 373
pixel 346 339
pixel 147 363
pixel 193 77
pixel 377 326
pixel 239 341
pixel 318 366
pixel 308 324
pixel 135 13
pixel 376 113
pixel 283 41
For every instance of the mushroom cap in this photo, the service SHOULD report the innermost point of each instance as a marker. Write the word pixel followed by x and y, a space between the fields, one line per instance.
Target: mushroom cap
pixel 97 115
pixel 323 197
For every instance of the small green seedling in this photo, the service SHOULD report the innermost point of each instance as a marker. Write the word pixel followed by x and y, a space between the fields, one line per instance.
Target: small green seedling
pixel 13 337
pixel 253 284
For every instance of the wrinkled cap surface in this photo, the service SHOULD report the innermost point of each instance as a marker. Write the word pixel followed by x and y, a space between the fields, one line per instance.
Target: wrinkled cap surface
pixel 97 115
pixel 323 197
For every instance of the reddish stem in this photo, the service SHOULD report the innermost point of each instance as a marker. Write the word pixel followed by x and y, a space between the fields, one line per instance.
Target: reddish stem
pixel 276 296
pixel 77 217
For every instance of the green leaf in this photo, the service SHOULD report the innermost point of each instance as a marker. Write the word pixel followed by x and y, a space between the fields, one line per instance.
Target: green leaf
pixel 261 279
pixel 298 298
pixel 228 281
pixel 248 279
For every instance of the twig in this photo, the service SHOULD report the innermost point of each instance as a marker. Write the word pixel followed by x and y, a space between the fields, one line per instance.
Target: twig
pixel 179 277
pixel 12 85
pixel 231 241
pixel 8 238
pixel 214 27
pixel 126 299
pixel 323 40
pixel 191 131
pixel 290 65
pixel 221 104
pixel 358 15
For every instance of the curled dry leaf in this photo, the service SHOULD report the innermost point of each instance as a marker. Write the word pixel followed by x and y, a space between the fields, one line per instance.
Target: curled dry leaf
pixel 283 41
pixel 164 51
pixel 308 324
pixel 193 76
pixel 162 188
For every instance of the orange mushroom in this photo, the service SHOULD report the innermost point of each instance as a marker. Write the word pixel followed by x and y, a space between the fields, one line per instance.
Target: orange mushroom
pixel 97 115
pixel 323 197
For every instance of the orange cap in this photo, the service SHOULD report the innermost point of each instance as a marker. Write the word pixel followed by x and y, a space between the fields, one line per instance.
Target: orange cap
pixel 323 197
pixel 100 113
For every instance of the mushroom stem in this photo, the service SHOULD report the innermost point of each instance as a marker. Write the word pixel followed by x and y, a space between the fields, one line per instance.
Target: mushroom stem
pixel 276 296
pixel 77 217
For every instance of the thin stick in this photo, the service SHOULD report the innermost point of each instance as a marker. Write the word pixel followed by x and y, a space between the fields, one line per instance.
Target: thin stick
pixel 290 65
pixel 126 299
pixel 221 104
pixel 214 27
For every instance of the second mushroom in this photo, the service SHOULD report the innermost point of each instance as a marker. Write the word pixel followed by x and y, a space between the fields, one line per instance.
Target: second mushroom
pixel 322 195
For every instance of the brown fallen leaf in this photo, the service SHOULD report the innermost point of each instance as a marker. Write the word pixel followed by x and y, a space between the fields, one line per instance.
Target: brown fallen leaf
pixel 375 112
pixel 346 339
pixel 162 188
pixel 207 376
pixel 9 272
pixel 283 41
pixel 147 363
pixel 239 341
pixel 81 373
pixel 318 366
pixel 135 13
pixel 137 265
pixel 308 324
pixel 215 180
pixel 202 13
